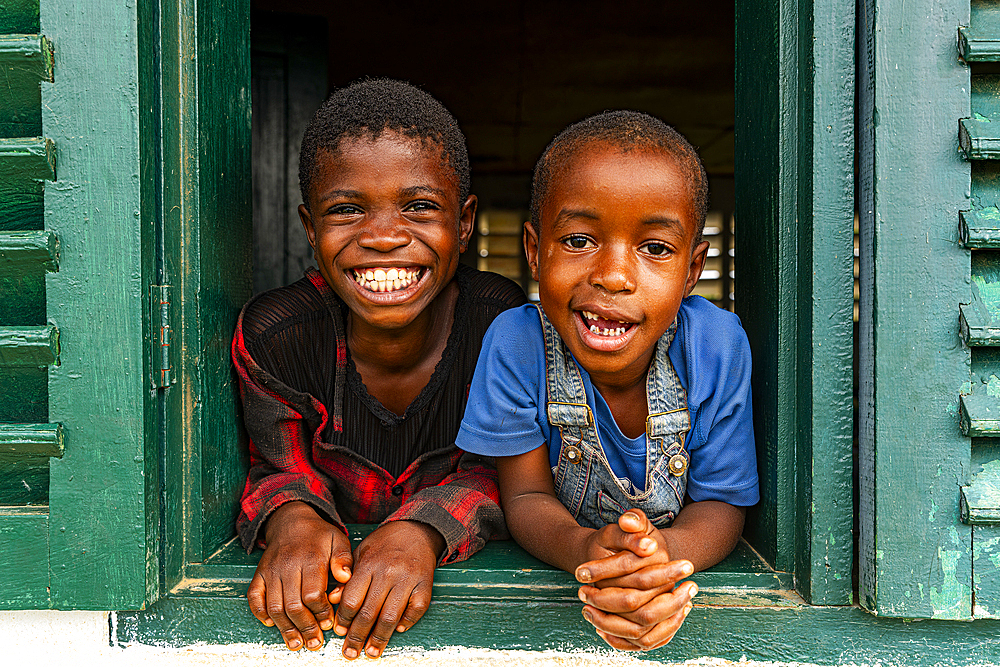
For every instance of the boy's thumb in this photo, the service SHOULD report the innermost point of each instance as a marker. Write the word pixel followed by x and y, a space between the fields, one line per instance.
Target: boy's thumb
pixel 341 563
pixel 633 521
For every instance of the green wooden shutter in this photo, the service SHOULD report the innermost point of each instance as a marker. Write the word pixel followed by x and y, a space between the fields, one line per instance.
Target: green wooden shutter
pixel 78 451
pixel 930 352
pixel 979 230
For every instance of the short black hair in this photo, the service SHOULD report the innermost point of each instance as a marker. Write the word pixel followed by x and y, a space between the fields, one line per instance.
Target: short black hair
pixel 623 130
pixel 366 109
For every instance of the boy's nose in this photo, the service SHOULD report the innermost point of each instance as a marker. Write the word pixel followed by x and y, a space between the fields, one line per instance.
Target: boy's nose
pixel 384 233
pixel 613 273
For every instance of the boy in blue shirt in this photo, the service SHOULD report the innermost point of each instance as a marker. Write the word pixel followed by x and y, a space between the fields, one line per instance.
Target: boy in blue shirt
pixel 620 409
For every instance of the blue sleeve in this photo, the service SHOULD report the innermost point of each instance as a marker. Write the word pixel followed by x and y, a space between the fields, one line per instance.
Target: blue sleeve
pixel 502 413
pixel 713 361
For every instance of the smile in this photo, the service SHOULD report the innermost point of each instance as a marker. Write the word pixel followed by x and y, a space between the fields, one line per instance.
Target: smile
pixel 387 280
pixel 604 327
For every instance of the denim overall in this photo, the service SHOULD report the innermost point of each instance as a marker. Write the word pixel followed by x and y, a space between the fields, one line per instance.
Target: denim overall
pixel 584 481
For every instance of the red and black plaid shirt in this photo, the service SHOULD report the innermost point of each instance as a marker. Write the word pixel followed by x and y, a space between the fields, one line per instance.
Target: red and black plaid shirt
pixel 314 429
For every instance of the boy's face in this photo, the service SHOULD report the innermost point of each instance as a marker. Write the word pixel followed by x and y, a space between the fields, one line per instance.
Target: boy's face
pixel 614 257
pixel 386 224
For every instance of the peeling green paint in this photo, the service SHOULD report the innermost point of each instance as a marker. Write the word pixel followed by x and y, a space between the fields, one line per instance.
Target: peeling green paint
pixel 993 386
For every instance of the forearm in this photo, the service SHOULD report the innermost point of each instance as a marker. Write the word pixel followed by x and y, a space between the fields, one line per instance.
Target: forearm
pixel 704 532
pixel 545 528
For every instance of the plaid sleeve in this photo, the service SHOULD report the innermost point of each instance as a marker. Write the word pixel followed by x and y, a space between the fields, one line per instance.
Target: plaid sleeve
pixel 464 506
pixel 282 424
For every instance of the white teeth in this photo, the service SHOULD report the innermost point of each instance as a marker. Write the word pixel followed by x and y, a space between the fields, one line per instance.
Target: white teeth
pixel 380 280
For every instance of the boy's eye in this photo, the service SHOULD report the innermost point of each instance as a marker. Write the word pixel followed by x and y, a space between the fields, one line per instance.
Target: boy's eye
pixel 656 249
pixel 345 209
pixel 421 205
pixel 577 242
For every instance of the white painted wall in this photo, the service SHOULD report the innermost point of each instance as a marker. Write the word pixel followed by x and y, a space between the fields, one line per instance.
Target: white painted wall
pixel 80 639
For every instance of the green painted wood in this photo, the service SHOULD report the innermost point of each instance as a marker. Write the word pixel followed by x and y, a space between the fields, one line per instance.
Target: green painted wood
pixel 22 299
pixel 986 539
pixel 26 251
pixel 979 416
pixel 979 139
pixel 29 346
pixel 25 61
pixel 23 558
pixel 205 121
pixel 27 56
pixel 24 396
pixel 812 635
pixel 795 206
pixel 977 47
pixel 24 481
pixel 915 554
pixel 33 158
pixel 980 502
pixel 103 527
pixel 979 229
pixel 19 16
pixel 20 204
pixel 503 569
pixel 32 439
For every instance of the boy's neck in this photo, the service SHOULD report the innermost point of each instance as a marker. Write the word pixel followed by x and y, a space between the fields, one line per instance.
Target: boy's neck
pixel 407 352
pixel 626 398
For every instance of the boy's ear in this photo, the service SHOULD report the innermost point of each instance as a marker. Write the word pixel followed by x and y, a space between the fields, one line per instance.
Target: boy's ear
pixel 307 222
pixel 466 220
pixel 531 248
pixel 698 258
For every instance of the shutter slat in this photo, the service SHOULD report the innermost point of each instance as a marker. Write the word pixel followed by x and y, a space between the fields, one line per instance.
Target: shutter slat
pixel 979 416
pixel 25 57
pixel 32 158
pixel 32 440
pixel 28 250
pixel 29 346
pixel 979 504
pixel 979 139
pixel 979 229
pixel 976 46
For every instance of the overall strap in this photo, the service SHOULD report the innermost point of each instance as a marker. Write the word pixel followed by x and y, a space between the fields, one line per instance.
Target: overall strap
pixel 669 419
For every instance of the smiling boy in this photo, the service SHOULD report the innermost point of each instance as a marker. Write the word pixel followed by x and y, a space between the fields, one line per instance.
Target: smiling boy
pixel 354 379
pixel 625 442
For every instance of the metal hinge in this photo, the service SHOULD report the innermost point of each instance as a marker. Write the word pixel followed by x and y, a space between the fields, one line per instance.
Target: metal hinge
pixel 160 316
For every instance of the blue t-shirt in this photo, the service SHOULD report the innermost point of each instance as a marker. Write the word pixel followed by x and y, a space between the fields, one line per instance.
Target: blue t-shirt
pixel 506 416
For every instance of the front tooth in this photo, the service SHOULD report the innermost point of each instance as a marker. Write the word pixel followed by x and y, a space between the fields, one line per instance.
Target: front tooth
pixel 381 285
pixel 593 328
pixel 606 332
pixel 397 284
pixel 379 275
pixel 391 274
pixel 372 285
pixel 369 276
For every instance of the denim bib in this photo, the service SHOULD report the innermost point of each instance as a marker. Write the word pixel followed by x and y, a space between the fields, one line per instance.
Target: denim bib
pixel 584 481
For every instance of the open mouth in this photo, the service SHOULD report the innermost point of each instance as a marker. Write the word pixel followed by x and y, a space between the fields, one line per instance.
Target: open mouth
pixel 604 327
pixel 387 280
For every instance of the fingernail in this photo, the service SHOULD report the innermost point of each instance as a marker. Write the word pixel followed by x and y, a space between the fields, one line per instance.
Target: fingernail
pixel 687 569
pixel 587 615
pixel 268 622
pixel 694 589
pixel 294 644
pixel 313 643
pixel 583 574
pixel 350 653
pixel 582 596
pixel 400 628
pixel 372 652
pixel 687 610
pixel 340 630
pixel 645 544
pixel 326 624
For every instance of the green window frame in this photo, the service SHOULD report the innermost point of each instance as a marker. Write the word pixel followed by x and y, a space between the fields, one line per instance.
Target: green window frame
pixel 151 209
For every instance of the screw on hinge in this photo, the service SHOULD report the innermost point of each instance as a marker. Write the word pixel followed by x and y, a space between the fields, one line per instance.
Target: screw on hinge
pixel 162 376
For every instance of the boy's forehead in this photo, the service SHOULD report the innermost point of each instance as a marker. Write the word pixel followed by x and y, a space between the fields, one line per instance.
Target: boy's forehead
pixel 598 168
pixel 386 145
